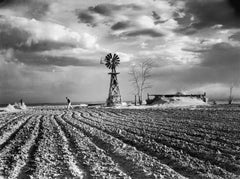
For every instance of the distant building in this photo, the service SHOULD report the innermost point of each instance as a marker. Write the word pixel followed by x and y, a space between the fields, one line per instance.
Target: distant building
pixel 156 97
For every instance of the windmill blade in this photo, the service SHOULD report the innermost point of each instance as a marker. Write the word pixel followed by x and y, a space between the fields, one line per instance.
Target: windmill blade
pixel 108 57
pixel 115 60
pixel 108 63
pixel 116 56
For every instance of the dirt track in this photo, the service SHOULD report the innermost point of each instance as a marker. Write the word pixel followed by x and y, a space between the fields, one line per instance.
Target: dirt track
pixel 51 142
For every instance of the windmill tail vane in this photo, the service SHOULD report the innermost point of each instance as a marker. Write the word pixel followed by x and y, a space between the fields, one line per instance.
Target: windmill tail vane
pixel 101 60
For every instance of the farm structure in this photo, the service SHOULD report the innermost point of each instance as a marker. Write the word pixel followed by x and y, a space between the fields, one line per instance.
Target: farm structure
pixel 157 97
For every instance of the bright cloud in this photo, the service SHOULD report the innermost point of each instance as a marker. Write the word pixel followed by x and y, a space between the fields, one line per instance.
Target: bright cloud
pixel 46 31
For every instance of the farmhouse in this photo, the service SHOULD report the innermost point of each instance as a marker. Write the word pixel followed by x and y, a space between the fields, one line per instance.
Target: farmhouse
pixel 156 98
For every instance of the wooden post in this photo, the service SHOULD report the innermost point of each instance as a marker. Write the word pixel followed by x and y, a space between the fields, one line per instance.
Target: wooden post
pixel 230 96
pixel 135 101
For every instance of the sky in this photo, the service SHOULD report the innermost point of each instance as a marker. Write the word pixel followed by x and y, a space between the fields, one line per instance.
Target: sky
pixel 52 49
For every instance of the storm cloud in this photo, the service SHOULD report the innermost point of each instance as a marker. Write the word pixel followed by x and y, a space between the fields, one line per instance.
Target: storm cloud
pixel 36 59
pixel 28 44
pixel 218 65
pixel 109 9
pixel 236 5
pixel 19 39
pixel 204 14
pixel 90 17
pixel 144 32
pixel 35 9
pixel 121 25
pixel 87 18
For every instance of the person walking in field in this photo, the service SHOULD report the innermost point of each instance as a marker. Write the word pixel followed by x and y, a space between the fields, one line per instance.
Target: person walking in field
pixel 69 103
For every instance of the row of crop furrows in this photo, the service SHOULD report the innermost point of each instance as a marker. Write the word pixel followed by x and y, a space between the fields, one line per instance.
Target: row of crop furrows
pixel 223 151
pixel 207 123
pixel 173 128
pixel 157 118
pixel 11 118
pixel 178 159
pixel 97 163
pixel 48 157
pixel 220 121
pixel 6 115
pixel 110 112
pixel 14 154
pixel 213 147
pixel 94 161
pixel 216 116
pixel 134 162
pixel 11 128
pixel 68 157
pixel 203 123
pixel 208 141
pixel 184 143
pixel 200 117
pixel 44 111
pixel 217 153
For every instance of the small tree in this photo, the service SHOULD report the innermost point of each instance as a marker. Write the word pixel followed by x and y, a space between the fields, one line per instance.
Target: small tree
pixel 140 75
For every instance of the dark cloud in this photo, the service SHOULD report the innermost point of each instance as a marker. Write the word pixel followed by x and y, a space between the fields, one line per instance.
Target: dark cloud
pixel 86 17
pixel 188 30
pixel 121 25
pixel 38 9
pixel 236 5
pixel 36 59
pixel 33 9
pixel 12 2
pixel 12 37
pixel 143 32
pixel 157 18
pixel 235 36
pixel 109 9
pixel 208 13
pixel 45 45
pixel 103 9
pixel 222 55
pixel 32 85
pixel 185 22
pixel 195 50
pixel 220 64
pixel 156 15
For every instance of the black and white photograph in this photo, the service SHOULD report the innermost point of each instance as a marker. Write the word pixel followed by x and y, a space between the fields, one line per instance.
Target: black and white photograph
pixel 119 89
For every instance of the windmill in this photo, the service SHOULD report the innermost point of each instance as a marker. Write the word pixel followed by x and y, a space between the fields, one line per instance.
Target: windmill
pixel 111 61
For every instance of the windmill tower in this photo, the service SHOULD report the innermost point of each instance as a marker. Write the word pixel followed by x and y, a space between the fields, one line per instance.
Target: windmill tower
pixel 114 97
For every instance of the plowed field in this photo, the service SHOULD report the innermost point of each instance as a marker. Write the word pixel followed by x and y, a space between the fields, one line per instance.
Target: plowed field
pixel 51 142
